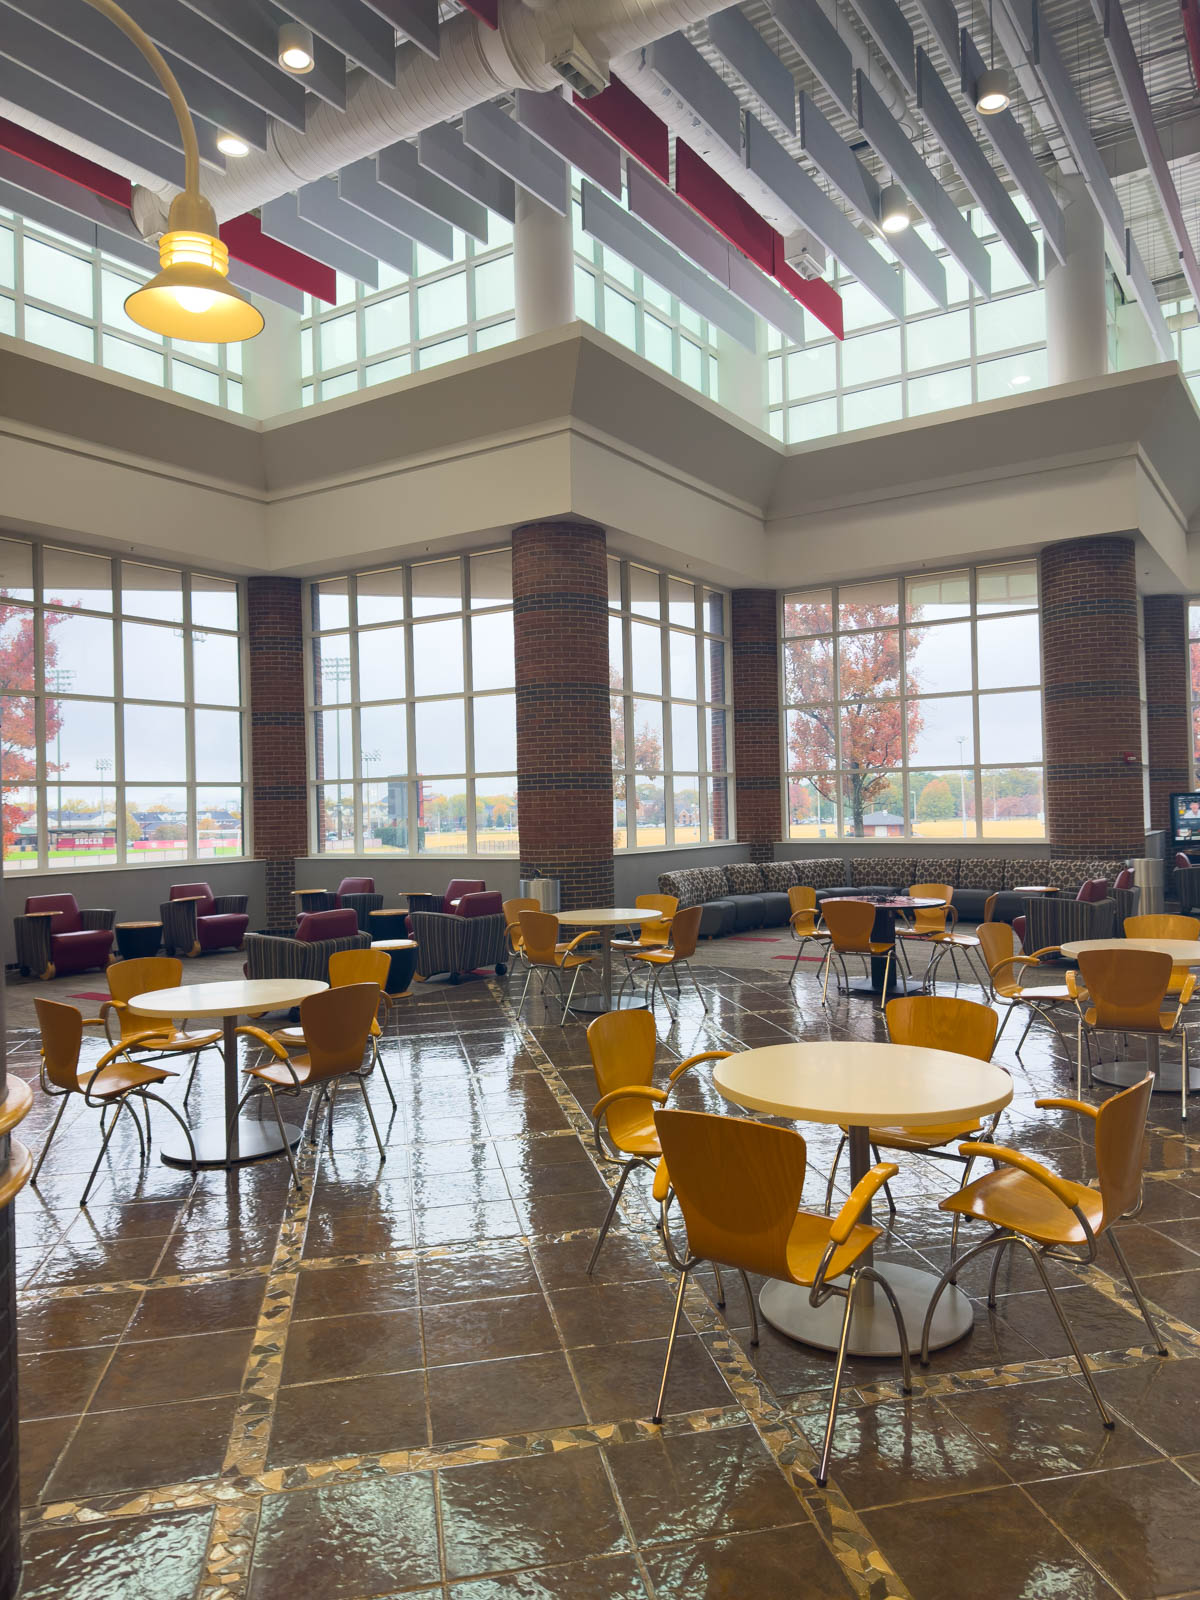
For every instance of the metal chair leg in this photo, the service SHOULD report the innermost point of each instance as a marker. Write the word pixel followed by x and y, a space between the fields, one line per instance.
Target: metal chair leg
pixel 387 1082
pixel 905 1357
pixel 287 1149
pixel 570 997
pixel 949 1276
pixel 333 1089
pixel 362 1084
pixel 524 992
pixel 662 1391
pixel 1028 1025
pixel 1084 1368
pixel 837 1156
pixel 610 1214
pixel 1008 1011
pixel 720 1287
pixel 753 1307
pixel 146 1096
pixel 828 964
pixel 99 1159
pixel 49 1140
pixel 823 1469
pixel 1137 1293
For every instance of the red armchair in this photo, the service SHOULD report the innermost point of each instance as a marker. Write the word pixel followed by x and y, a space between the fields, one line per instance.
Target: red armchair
pixel 319 934
pixel 55 937
pixel 315 925
pixel 195 920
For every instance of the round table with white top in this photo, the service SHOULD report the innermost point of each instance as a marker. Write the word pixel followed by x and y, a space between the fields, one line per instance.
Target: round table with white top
pixel 231 1140
pixel 860 1086
pixel 1123 1074
pixel 607 922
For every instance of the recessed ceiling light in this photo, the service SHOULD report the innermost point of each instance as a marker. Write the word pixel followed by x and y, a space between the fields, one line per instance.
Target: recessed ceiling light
pixel 992 92
pixel 893 209
pixel 230 145
pixel 1021 379
pixel 295 48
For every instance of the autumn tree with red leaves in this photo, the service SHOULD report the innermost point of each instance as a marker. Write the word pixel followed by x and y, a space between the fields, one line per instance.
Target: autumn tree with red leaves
pixel 18 723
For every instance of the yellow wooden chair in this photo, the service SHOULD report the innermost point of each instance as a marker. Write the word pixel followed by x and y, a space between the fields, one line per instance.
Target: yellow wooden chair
pixel 141 976
pixel 1027 1204
pixel 850 923
pixel 651 935
pixel 1164 925
pixel 1007 968
pixel 512 910
pixel 739 1184
pixel 938 926
pixel 544 953
pixel 623 1046
pixel 347 967
pixel 804 919
pixel 1127 991
pixel 674 958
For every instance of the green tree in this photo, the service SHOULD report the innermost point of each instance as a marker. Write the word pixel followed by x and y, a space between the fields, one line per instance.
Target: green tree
pixel 936 802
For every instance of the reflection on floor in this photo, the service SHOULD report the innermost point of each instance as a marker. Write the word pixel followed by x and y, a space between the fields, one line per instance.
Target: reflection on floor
pixel 404 1382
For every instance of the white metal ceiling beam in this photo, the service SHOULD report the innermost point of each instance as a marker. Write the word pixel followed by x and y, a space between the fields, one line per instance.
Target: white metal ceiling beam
pixel 256 27
pixel 888 28
pixel 440 150
pixel 362 35
pixel 564 129
pixel 816 38
pixel 417 20
pixel 755 63
pixel 321 204
pixel 942 19
pixel 403 173
pixel 281 220
pixel 494 136
pixel 363 184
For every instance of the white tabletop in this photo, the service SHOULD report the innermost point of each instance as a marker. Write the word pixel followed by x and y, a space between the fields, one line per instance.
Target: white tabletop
pixel 863 1084
pixel 608 917
pixel 242 997
pixel 1184 952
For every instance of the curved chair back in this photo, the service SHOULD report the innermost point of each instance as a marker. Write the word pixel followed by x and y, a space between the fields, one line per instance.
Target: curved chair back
pixel 1120 1127
pixel 1124 879
pixel 848 923
pixel 337 1024
pixel 348 967
pixel 996 942
pixel 457 887
pixel 140 976
pixel 931 919
pixel 199 892
pixel 622 1045
pixel 1126 987
pixel 803 898
pixel 1093 891
pixel 62 1034
pixel 539 932
pixel 355 886
pixel 68 919
pixel 989 907
pixel 943 1022
pixel 512 910
pixel 685 931
pixel 655 933
pixel 1162 925
pixel 314 926
pixel 739 1185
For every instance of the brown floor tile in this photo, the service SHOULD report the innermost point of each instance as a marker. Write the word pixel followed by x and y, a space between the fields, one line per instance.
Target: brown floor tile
pixel 997 1533
pixel 1141 1525
pixel 325 1348
pixel 616 1578
pixel 532 1512
pixel 198 1308
pixel 1158 1397
pixel 1147 1249
pixel 611 1313
pixel 699 1484
pixel 115 1260
pixel 122 1450
pixel 368 1538
pixel 620 1381
pixel 1169 1198
pixel 490 1398
pixel 774 1561
pixel 563 1264
pixel 488 1330
pixel 1096 1322
pixel 334 1291
pixel 346 1233
pixel 140 1219
pixel 562 1213
pixel 1046 1430
pixel 571 1177
pixel 465 1224
pixel 353 1416
pixel 1176 1292
pixel 477 1274
pixel 154 1372
pixel 218 1249
pixel 58 1383
pixel 130 1558
pixel 41 1445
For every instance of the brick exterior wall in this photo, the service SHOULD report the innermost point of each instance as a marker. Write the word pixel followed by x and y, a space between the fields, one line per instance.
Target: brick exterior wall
pixel 564 757
pixel 275 626
pixel 1168 713
pixel 1094 798
pixel 755 641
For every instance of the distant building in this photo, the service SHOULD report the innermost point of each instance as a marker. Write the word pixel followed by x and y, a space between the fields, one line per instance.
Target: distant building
pixel 883 824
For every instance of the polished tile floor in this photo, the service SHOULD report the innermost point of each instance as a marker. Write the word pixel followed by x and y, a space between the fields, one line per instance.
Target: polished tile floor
pixel 402 1381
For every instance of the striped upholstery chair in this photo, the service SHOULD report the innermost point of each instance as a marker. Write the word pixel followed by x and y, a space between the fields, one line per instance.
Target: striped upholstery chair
pixel 1055 921
pixel 271 956
pixel 460 943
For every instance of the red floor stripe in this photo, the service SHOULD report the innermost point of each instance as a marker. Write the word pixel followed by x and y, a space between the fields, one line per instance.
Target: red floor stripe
pixel 92 994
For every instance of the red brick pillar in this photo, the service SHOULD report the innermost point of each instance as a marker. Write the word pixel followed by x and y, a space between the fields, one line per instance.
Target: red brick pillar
pixel 1168 712
pixel 755 637
pixel 1094 795
pixel 564 756
pixel 276 642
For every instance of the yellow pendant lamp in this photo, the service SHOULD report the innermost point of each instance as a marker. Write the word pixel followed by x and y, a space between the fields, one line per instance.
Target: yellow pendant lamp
pixel 191 298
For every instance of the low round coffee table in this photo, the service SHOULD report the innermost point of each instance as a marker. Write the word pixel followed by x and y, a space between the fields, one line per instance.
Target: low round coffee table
pixel 137 939
pixel 389 923
pixel 403 953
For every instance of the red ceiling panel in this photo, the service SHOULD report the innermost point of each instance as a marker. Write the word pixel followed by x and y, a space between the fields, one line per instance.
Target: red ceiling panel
pixel 247 242
pixel 485 10
pixel 717 201
pixel 633 125
pixel 814 294
pixel 53 158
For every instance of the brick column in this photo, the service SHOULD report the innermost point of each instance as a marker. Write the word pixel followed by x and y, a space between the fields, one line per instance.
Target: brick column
pixel 275 627
pixel 1094 797
pixel 564 757
pixel 1168 713
pixel 755 636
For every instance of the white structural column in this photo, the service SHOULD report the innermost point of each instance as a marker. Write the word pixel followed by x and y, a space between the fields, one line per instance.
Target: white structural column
pixel 271 363
pixel 743 376
pixel 1076 313
pixel 543 266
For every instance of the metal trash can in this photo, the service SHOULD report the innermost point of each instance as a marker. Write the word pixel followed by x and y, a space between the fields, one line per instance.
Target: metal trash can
pixel 1148 876
pixel 544 890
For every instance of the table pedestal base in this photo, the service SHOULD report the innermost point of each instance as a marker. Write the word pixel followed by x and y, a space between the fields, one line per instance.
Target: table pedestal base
pixel 873 1329
pixel 256 1140
pixel 1167 1075
pixel 595 1005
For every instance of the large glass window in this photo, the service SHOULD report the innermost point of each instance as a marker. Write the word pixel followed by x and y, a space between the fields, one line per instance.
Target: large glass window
pixel 913 706
pixel 672 726
pixel 122 711
pixel 413 709
pixel 70 298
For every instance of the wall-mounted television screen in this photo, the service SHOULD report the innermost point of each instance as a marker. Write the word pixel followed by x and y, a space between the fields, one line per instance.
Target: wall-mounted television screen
pixel 1185 820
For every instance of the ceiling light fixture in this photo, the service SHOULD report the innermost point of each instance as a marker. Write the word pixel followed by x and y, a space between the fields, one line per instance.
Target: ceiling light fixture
pixel 893 209
pixel 992 93
pixel 295 48
pixel 230 145
pixel 191 298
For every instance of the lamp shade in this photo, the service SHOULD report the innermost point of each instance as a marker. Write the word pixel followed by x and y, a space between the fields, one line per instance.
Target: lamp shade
pixel 893 209
pixel 992 92
pixel 192 298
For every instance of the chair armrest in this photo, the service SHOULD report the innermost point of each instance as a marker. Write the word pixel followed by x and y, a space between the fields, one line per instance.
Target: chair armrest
pixel 179 924
pixel 633 1091
pixel 1188 990
pixel 109 1056
pixel 97 918
pixel 230 904
pixel 264 1038
pixel 1074 988
pixel 1058 1104
pixel 33 943
pixel 588 933
pixel 1046 950
pixel 694 1061
pixel 841 1227
pixel 1058 1187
